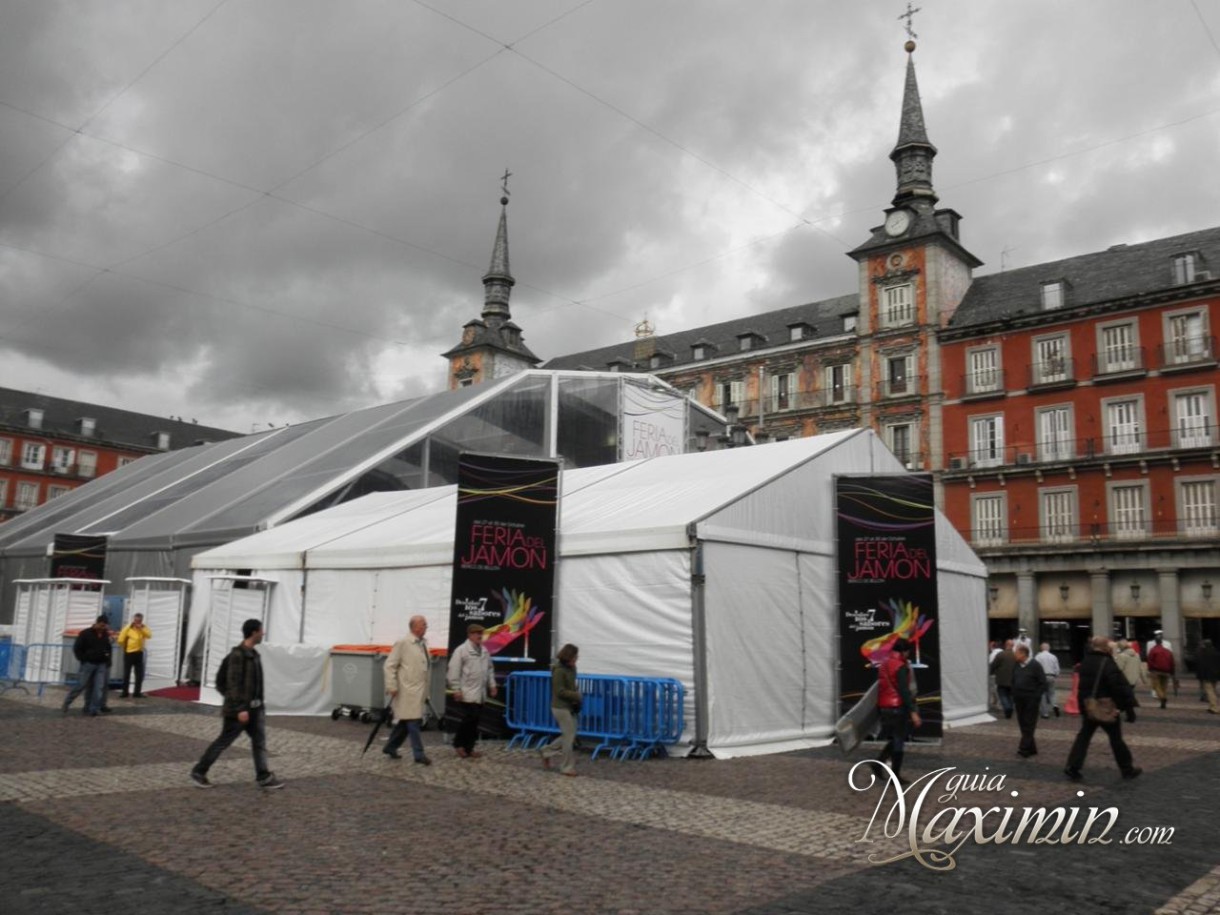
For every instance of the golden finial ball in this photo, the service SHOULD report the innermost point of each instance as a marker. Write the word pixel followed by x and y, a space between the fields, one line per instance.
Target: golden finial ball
pixel 909 46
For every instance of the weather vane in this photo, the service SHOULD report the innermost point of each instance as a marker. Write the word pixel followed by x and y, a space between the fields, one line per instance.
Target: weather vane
pixel 504 182
pixel 908 15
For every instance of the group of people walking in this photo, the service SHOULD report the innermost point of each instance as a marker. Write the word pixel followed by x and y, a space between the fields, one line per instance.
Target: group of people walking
pixel 93 651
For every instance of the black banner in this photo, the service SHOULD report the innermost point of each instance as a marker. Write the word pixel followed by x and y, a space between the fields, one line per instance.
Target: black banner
pixel 887 585
pixel 504 558
pixel 76 556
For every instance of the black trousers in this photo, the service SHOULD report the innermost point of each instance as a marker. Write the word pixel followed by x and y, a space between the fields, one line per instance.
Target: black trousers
pixel 1028 708
pixel 1080 747
pixel 133 660
pixel 468 725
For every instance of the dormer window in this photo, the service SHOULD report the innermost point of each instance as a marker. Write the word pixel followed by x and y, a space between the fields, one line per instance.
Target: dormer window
pixel 1186 268
pixel 616 365
pixel 161 439
pixel 750 340
pixel 799 331
pixel 659 360
pixel 849 323
pixel 702 349
pixel 87 425
pixel 1053 294
pixel 33 419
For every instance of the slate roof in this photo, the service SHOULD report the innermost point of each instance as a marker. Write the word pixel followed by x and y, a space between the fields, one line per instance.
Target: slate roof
pixel 119 428
pixel 1120 272
pixel 825 317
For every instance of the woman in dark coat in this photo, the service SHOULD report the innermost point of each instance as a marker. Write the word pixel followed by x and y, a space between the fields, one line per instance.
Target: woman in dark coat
pixel 1101 678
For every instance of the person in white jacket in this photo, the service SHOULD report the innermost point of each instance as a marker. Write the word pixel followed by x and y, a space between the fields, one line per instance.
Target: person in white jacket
pixel 471 677
pixel 406 682
pixel 1050 665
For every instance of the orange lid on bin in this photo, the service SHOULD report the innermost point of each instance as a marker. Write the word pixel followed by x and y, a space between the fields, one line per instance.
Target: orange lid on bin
pixel 364 649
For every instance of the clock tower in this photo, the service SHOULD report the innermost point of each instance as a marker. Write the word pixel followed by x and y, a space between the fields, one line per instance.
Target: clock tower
pixel 913 274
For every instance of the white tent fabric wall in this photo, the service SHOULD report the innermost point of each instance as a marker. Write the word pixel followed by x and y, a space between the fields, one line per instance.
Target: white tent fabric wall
pixel 626 593
pixel 45 609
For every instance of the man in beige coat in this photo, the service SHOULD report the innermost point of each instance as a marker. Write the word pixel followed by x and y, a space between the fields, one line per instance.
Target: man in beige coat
pixel 406 680
pixel 1129 663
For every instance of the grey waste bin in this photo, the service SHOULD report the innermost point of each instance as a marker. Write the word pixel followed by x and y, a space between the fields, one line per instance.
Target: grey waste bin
pixel 357 676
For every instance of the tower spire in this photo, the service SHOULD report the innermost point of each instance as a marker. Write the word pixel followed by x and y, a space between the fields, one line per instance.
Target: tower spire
pixel 913 153
pixel 498 281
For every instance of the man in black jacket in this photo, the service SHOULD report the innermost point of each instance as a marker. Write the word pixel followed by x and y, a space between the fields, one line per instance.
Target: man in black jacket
pixel 1207 668
pixel 243 709
pixel 92 650
pixel 1028 685
pixel 1100 678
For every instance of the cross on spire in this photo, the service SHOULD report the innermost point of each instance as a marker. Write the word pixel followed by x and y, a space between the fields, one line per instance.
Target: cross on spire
pixel 908 15
pixel 504 182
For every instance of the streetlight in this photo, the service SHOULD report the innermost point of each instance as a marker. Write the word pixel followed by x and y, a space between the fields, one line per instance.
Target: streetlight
pixel 1207 592
pixel 1064 591
pixel 1135 591
pixel 993 592
pixel 734 433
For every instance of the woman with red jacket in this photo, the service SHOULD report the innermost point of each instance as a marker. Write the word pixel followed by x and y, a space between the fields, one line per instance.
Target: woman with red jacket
pixel 896 704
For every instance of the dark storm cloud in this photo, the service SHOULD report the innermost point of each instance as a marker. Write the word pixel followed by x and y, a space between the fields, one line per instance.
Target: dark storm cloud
pixel 276 210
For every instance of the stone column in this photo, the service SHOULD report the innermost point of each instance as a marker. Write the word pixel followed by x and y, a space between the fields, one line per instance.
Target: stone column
pixel 1171 614
pixel 1027 609
pixel 1103 613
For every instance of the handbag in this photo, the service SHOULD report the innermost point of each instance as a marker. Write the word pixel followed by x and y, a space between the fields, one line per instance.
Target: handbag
pixel 1103 710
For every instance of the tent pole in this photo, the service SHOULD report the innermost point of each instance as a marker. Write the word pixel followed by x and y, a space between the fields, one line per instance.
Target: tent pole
pixel 699 639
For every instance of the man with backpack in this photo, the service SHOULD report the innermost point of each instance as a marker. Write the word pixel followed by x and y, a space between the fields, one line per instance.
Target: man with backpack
pixel 1160 668
pixel 240 680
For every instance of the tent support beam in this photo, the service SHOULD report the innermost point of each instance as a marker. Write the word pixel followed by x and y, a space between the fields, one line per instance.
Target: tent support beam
pixel 699 636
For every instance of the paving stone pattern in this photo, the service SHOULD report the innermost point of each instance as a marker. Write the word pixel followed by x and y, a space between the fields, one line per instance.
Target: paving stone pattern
pixel 353 833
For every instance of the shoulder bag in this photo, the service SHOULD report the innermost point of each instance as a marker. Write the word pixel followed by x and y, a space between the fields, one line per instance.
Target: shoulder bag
pixel 1103 710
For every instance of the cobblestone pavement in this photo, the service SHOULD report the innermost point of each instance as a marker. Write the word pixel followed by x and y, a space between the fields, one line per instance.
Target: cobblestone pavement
pixel 93 806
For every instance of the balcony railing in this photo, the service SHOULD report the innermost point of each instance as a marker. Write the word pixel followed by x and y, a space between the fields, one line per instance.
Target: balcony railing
pixel 983 382
pixel 1052 372
pixel 1187 352
pixel 1119 361
pixel 1116 532
pixel 899 387
pixel 842 396
pixel 1120 443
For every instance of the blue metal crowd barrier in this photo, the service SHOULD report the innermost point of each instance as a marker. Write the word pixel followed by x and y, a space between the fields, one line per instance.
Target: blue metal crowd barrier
pixel 13 671
pixel 38 662
pixel 630 716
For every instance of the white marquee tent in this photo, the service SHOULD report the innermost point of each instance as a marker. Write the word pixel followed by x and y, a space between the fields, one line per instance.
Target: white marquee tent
pixel 716 568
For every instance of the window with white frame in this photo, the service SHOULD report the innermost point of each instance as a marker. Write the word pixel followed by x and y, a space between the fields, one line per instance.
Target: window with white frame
pixel 1058 512
pixel 983 370
pixel 86 464
pixel 1055 433
pixel 1186 338
pixel 989 522
pixel 1198 508
pixel 1128 510
pixel 727 393
pixel 901 439
pixel 27 496
pixel 1123 426
pixel 55 491
pixel 33 419
pixel 898 379
pixel 1050 360
pixel 897 305
pixel 849 323
pixel 61 459
pixel 33 456
pixel 1184 268
pixel 6 452
pixel 698 351
pixel 1052 295
pixel 838 382
pixel 1192 414
pixel 783 387
pixel 987 441
pixel 87 426
pixel 1118 350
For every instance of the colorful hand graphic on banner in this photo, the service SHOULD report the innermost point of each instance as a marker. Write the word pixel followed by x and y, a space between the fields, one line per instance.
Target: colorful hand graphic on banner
pixel 520 616
pixel 909 624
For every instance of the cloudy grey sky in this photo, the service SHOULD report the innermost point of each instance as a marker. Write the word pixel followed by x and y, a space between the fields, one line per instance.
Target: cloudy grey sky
pixel 262 211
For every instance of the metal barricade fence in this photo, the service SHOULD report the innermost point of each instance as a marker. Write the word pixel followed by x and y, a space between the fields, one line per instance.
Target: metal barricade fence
pixel 13 671
pixel 630 716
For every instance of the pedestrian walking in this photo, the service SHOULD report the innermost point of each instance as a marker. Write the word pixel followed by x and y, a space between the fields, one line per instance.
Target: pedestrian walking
pixel 1023 639
pixel 240 681
pixel 1128 661
pixel 1160 668
pixel 406 681
pixel 92 649
pixel 1158 635
pixel 471 678
pixel 896 705
pixel 1207 669
pixel 1028 688
pixel 1100 678
pixel 1049 662
pixel 131 640
pixel 993 698
pixel 1002 666
pixel 565 706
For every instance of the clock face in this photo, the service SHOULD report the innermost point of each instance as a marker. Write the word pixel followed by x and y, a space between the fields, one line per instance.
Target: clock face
pixel 897 222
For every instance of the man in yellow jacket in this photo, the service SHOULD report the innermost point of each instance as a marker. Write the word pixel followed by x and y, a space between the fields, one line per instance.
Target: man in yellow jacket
pixel 131 640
